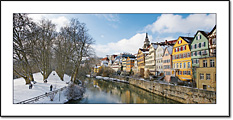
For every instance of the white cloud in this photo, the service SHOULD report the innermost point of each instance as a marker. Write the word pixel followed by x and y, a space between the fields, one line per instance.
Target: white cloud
pixel 170 23
pixel 130 45
pixel 109 17
pixel 60 21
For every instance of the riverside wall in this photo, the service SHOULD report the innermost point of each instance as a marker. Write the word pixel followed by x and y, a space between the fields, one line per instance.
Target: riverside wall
pixel 181 94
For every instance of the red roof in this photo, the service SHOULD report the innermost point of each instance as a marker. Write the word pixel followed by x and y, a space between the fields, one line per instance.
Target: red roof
pixel 172 41
pixel 106 58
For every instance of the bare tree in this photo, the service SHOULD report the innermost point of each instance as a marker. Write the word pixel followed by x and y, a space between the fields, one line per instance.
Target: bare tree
pixel 22 28
pixel 42 48
pixel 72 45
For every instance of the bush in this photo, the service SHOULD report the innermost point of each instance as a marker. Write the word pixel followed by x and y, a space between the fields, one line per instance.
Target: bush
pixel 108 72
pixel 74 92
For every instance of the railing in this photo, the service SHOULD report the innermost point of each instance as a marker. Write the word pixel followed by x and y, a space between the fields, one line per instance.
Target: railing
pixel 34 99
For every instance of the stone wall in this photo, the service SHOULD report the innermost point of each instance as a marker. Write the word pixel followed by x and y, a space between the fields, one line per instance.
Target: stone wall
pixel 181 94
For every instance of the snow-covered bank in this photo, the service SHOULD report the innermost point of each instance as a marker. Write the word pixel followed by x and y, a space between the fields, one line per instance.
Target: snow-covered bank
pixel 109 79
pixel 22 91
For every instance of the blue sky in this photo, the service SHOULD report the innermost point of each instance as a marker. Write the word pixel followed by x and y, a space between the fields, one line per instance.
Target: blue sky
pixel 116 33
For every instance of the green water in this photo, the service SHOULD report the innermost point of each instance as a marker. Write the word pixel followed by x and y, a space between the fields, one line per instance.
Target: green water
pixel 108 92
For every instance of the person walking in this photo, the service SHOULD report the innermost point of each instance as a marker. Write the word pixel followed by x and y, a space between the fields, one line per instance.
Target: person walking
pixel 51 87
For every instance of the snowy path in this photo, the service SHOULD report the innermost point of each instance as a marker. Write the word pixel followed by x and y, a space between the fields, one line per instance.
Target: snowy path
pixel 22 91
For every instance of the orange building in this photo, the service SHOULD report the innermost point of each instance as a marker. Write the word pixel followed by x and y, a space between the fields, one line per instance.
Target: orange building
pixel 129 64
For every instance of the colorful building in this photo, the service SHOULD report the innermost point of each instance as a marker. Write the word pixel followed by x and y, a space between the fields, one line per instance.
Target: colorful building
pixel 96 69
pixel 159 59
pixel 181 58
pixel 135 67
pixel 212 41
pixel 124 63
pixel 129 64
pixel 142 53
pixel 199 49
pixel 150 63
pixel 206 73
pixel 167 63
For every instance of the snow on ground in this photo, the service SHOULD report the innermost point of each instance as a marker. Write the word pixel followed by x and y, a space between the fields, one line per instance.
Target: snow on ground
pixel 22 91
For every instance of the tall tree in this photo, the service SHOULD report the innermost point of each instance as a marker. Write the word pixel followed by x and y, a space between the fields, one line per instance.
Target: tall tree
pixel 42 48
pixel 22 27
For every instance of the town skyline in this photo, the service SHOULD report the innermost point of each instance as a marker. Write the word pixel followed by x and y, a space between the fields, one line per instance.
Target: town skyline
pixel 119 33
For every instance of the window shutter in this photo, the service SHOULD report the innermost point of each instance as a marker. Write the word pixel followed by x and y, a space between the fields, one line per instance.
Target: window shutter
pixel 200 36
pixel 180 41
pixel 181 48
pixel 204 44
pixel 184 47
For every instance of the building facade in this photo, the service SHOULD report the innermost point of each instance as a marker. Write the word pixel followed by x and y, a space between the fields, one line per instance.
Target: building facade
pixel 129 64
pixel 167 63
pixel 142 53
pixel 181 58
pixel 150 61
pixel 206 73
pixel 124 63
pixel 199 49
pixel 212 41
pixel 135 67
pixel 159 59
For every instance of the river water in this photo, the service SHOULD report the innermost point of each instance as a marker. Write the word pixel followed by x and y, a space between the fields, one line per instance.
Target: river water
pixel 110 92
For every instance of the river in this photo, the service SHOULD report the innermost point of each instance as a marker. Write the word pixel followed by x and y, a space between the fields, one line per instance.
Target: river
pixel 109 92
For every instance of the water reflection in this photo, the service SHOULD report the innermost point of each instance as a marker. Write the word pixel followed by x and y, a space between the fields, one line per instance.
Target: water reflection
pixel 107 92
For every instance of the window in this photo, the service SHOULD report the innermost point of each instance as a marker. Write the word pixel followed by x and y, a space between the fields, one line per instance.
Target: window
pixel 188 73
pixel 204 87
pixel 195 53
pixel 188 54
pixel 168 73
pixel 191 53
pixel 201 76
pixel 180 56
pixel 200 37
pixel 184 65
pixel 180 72
pixel 184 73
pixel 180 65
pixel 195 46
pixel 189 65
pixel 184 55
pixel 212 63
pixel 179 48
pixel 207 76
pixel 197 61
pixel 177 65
pixel 174 65
pixel 199 45
pixel 204 63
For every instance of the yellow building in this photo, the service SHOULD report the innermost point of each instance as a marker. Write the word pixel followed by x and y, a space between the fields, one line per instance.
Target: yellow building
pixel 124 63
pixel 96 69
pixel 182 63
pixel 142 53
pixel 129 64
pixel 206 73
